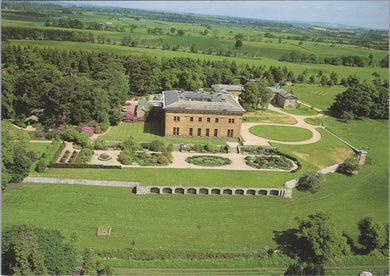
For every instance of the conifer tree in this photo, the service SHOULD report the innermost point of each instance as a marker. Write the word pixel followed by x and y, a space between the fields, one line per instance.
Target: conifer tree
pixel 29 260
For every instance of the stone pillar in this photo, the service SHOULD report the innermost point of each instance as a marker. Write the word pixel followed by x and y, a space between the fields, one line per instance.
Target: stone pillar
pixel 362 157
pixel 287 193
pixel 142 190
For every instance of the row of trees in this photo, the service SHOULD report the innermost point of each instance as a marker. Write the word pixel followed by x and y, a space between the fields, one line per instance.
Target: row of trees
pixel 45 34
pixel 354 61
pixel 77 24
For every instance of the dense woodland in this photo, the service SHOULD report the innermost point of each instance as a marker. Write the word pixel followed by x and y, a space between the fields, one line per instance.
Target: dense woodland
pixel 78 87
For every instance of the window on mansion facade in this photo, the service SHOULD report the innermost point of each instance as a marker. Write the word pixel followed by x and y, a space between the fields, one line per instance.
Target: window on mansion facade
pixel 208 120
pixel 217 120
pixel 230 133
pixel 176 118
pixel 231 121
pixel 191 132
pixel 216 132
pixel 191 119
pixel 200 119
pixel 199 131
pixel 176 131
pixel 207 132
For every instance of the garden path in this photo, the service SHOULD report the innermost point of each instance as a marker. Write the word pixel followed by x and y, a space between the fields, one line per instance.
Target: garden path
pixel 238 162
pixel 251 139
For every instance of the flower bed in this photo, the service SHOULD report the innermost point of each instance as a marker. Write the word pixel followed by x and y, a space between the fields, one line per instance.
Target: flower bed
pixel 269 162
pixel 209 148
pixel 128 157
pixel 65 156
pixel 208 161
pixel 258 150
pixel 104 157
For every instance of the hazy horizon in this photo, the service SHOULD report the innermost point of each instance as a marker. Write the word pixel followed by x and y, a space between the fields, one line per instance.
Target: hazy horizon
pixel 363 14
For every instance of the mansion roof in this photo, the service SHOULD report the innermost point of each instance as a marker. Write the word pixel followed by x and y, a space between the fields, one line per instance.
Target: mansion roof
pixel 205 101
pixel 224 88
pixel 282 92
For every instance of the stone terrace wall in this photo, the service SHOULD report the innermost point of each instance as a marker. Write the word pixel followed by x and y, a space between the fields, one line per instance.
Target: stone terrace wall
pixel 144 190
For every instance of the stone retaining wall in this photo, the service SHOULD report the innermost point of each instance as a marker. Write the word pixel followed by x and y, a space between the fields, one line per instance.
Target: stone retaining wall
pixel 52 180
pixel 293 183
pixel 144 190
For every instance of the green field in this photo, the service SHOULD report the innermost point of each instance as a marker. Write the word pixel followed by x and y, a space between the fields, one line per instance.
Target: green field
pixel 316 95
pixel 148 132
pixel 280 133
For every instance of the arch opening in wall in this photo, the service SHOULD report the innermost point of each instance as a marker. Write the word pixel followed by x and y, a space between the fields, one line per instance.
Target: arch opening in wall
pixel 227 192
pixel 263 192
pixel 274 192
pixel 239 192
pixel 251 192
pixel 155 190
pixel 215 191
pixel 191 191
pixel 179 191
pixel 204 191
pixel 167 190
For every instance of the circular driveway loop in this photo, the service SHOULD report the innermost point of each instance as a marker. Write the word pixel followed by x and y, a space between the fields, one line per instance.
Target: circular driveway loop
pixel 251 139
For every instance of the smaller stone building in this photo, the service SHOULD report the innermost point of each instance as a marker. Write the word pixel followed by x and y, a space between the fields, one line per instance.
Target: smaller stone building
pixel 283 98
pixel 201 114
pixel 234 90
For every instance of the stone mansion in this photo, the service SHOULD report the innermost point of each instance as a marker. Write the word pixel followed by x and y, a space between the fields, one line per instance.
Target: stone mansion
pixel 201 114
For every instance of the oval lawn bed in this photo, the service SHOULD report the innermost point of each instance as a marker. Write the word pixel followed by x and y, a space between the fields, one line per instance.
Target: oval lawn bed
pixel 281 133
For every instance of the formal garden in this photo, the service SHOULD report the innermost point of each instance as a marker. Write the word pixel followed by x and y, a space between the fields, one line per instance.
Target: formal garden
pixel 269 162
pixel 208 161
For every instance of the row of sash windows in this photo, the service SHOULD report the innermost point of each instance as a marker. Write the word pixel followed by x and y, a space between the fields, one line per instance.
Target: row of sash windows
pixel 176 131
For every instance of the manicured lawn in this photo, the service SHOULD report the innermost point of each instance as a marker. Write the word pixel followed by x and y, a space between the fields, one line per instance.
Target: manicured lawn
pixel 141 131
pixel 327 152
pixel 38 147
pixel 301 110
pixel 148 132
pixel 268 116
pixel 180 177
pixel 281 133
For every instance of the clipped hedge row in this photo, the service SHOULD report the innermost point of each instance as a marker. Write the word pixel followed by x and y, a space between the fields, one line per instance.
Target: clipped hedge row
pixel 295 161
pixel 90 166
pixel 170 254
pixel 57 153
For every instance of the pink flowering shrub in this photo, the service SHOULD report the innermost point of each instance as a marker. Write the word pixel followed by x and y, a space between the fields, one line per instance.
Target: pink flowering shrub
pixel 129 117
pixel 88 130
